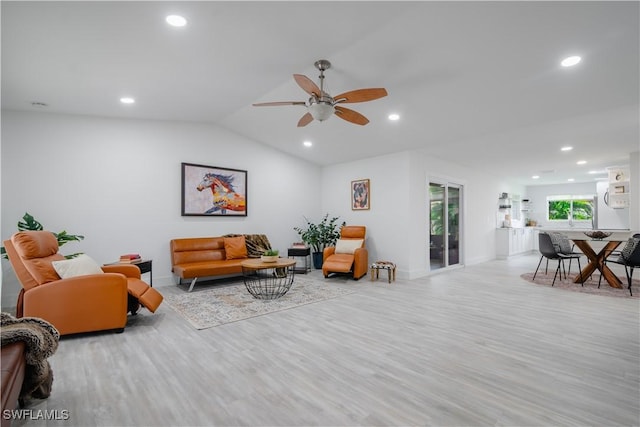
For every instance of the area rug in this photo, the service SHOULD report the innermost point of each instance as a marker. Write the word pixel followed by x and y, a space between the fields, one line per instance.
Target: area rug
pixel 590 286
pixel 228 303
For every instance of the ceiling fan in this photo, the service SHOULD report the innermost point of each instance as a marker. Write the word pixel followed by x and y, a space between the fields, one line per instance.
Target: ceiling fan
pixel 321 105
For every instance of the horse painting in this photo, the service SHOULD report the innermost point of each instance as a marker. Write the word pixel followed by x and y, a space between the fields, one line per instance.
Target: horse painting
pixel 224 195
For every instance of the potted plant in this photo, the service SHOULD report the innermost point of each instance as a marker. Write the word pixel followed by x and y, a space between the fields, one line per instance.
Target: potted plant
pixel 270 255
pixel 319 236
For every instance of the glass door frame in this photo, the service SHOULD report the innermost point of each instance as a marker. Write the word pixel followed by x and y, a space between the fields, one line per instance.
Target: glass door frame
pixel 446 184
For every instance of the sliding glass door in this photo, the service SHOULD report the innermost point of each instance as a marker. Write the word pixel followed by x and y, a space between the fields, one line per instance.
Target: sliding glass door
pixel 444 224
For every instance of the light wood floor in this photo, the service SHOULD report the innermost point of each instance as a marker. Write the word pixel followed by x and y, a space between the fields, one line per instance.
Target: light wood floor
pixel 471 347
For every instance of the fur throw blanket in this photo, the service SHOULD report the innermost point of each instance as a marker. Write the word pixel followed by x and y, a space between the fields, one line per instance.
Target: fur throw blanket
pixel 41 341
pixel 256 243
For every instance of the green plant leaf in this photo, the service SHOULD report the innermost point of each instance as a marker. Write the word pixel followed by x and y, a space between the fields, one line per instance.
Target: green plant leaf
pixel 29 223
pixel 64 237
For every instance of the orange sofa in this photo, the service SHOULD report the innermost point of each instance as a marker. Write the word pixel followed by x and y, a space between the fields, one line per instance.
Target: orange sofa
pixel 84 303
pixel 196 257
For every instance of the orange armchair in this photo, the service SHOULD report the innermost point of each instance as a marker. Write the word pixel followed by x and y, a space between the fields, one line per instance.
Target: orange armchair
pixel 349 255
pixel 85 303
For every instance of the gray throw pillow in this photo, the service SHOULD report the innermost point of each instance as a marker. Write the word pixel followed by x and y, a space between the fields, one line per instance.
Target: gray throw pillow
pixel 561 242
pixel 628 249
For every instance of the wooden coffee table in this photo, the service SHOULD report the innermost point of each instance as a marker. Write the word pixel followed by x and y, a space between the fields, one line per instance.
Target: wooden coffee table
pixel 268 280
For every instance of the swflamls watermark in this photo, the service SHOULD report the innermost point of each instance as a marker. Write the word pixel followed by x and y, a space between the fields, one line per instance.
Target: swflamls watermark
pixel 36 414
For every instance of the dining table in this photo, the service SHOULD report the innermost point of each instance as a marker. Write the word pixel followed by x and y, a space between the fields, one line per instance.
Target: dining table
pixel 597 259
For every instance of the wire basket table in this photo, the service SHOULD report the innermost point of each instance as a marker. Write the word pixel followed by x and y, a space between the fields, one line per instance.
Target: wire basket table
pixel 268 280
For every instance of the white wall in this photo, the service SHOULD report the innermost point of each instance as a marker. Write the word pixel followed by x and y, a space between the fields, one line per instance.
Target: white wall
pixel 118 183
pixel 387 223
pixel 397 221
pixel 480 197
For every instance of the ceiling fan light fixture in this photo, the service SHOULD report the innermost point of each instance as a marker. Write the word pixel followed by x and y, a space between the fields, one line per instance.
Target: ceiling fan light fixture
pixel 176 20
pixel 321 105
pixel 570 61
pixel 321 111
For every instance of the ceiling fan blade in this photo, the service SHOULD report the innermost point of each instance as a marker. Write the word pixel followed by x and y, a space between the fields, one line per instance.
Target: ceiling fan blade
pixel 360 95
pixel 271 104
pixel 305 120
pixel 351 116
pixel 307 85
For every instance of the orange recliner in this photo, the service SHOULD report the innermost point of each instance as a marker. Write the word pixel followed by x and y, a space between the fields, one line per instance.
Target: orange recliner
pixel 349 255
pixel 78 304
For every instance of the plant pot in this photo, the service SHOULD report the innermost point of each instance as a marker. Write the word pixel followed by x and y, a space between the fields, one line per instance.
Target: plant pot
pixel 269 258
pixel 317 260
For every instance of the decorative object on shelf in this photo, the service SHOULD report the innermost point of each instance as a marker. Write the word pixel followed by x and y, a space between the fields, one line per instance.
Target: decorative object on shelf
pixel 504 201
pixel 270 255
pixel 318 236
pixel 597 234
pixel 227 196
pixel 360 195
pixel 29 223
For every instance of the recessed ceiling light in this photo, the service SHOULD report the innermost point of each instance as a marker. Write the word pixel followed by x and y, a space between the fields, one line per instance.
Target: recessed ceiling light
pixel 127 100
pixel 570 61
pixel 571 180
pixel 581 162
pixel 176 21
pixel 307 143
pixel 566 148
pixel 596 172
pixel 535 176
pixel 394 116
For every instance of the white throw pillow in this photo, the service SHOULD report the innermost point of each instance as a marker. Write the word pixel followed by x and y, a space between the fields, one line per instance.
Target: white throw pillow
pixel 347 246
pixel 81 265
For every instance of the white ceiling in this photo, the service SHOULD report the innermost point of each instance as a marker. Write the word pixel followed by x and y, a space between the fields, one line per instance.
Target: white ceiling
pixel 476 83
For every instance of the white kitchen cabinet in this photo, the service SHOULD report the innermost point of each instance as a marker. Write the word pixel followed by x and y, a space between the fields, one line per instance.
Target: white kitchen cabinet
pixel 515 241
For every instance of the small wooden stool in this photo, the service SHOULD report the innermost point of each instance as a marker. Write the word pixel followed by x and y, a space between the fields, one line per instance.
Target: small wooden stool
pixel 383 265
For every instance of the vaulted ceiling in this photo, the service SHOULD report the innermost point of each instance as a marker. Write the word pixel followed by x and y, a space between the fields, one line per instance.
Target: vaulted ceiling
pixel 475 83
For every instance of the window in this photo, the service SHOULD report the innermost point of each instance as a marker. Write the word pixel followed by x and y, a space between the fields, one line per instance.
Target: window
pixel 570 208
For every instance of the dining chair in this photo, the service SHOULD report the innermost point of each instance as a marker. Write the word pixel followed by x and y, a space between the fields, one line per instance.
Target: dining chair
pixel 552 252
pixel 629 257
pixel 564 246
pixel 619 251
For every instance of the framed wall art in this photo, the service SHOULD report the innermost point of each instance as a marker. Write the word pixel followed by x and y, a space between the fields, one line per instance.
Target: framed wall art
pixel 360 195
pixel 213 191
